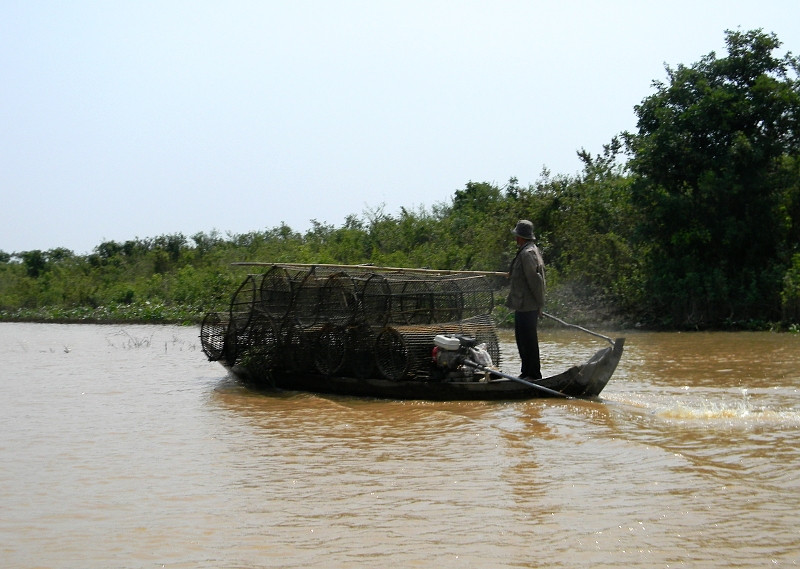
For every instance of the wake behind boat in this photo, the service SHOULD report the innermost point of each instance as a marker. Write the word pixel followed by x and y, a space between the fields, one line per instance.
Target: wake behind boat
pixel 379 332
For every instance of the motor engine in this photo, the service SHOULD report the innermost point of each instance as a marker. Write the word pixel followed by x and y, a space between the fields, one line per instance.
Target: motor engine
pixel 450 352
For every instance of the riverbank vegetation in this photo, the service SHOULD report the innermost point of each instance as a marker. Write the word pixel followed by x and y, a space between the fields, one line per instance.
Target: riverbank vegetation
pixel 692 221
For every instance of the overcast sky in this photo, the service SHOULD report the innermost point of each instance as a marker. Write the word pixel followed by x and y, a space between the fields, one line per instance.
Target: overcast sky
pixel 126 119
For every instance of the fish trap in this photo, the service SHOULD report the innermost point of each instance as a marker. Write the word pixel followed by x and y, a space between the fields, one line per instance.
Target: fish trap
pixel 411 299
pixel 361 362
pixel 308 298
pixel 278 287
pixel 475 296
pixel 405 352
pixel 260 345
pixel 391 354
pixel 446 300
pixel 300 345
pixel 330 352
pixel 338 301
pixel 357 322
pixel 242 304
pixel 375 299
pixel 213 332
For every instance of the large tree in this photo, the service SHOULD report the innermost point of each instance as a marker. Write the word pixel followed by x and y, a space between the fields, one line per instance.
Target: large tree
pixel 714 162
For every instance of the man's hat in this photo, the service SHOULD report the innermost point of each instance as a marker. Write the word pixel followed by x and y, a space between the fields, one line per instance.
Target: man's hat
pixel 523 229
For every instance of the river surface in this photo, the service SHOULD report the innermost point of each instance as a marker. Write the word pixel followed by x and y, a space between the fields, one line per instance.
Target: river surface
pixel 121 446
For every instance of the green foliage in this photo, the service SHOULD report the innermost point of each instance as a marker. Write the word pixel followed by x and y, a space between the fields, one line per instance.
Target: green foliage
pixel 592 229
pixel 171 277
pixel 710 164
pixel 35 262
pixel 790 295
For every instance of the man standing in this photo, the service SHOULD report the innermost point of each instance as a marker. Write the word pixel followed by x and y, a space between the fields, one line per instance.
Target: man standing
pixel 526 298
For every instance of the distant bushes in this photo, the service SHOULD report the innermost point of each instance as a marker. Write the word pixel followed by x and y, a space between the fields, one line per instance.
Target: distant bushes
pixel 586 225
pixel 175 278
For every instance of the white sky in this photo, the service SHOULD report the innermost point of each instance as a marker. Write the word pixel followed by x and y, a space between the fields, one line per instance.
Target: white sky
pixel 125 119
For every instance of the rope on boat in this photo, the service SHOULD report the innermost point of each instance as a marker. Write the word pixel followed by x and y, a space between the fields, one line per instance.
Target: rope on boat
pixel 581 328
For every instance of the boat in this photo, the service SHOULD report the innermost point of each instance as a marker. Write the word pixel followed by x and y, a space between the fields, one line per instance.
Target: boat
pixel 380 332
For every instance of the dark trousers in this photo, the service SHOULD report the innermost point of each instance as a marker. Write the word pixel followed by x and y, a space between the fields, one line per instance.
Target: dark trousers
pixel 528 343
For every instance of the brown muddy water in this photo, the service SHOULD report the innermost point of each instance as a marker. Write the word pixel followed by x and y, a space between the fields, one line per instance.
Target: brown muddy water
pixel 123 447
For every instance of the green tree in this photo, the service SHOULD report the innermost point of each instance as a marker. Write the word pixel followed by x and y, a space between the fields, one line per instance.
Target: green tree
pixel 35 262
pixel 709 161
pixel 790 296
pixel 592 221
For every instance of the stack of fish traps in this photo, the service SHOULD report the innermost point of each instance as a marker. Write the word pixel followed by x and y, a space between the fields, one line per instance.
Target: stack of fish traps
pixel 353 323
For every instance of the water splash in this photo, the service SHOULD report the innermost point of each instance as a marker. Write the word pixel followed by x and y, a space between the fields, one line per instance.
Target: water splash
pixel 732 412
pixel 710 410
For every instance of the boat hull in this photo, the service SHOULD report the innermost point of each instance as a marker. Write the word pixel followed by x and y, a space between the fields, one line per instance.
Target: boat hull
pixel 585 381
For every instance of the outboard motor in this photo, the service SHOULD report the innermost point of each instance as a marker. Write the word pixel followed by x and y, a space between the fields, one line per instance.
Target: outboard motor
pixel 449 353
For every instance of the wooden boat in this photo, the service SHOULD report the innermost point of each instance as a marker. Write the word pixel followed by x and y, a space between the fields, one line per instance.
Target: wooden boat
pixel 581 381
pixel 370 332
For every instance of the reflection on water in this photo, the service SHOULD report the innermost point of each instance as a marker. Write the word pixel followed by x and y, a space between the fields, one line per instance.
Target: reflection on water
pixel 120 453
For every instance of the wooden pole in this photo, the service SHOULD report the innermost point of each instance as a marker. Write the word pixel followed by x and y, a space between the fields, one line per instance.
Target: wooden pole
pixel 581 328
pixel 517 379
pixel 372 268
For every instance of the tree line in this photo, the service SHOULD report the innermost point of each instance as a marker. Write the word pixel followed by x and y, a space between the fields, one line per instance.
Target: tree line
pixel 691 221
